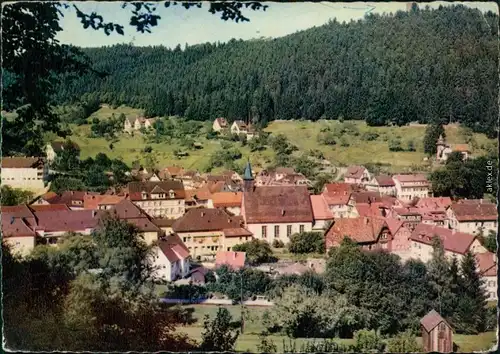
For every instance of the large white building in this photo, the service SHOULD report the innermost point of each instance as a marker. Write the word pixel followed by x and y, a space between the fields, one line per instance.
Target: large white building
pixel 277 212
pixel 411 186
pixel 472 216
pixel 28 173
pixel 165 199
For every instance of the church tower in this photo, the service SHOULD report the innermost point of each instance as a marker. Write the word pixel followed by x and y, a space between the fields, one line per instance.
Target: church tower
pixel 441 145
pixel 248 181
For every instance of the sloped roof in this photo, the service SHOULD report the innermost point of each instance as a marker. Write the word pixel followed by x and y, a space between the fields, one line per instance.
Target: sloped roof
pixel 337 193
pixel 49 207
pixel 457 242
pixel 50 197
pixel 236 232
pixel 431 320
pixel 486 263
pixel 474 211
pixel 15 227
pixel 136 189
pixel 366 197
pixel 227 199
pixel 278 204
pixel 360 230
pixel 410 178
pixel 206 220
pixel 370 209
pixel 235 260
pixel 320 208
pixel 436 203
pixel 384 181
pixel 94 201
pixel 125 209
pixel 68 220
pixel 202 193
pixel 21 162
pixel 394 225
pixel 354 172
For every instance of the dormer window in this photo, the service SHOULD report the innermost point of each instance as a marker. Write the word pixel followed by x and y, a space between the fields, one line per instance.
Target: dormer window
pixel 144 195
pixel 162 195
pixel 171 194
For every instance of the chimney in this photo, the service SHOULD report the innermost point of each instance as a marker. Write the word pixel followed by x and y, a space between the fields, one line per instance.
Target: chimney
pixel 202 214
pixel 282 212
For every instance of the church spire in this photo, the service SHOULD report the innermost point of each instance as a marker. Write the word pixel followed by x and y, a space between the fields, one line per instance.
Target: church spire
pixel 248 178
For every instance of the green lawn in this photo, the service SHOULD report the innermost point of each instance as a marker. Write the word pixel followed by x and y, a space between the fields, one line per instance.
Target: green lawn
pixel 301 133
pixel 249 340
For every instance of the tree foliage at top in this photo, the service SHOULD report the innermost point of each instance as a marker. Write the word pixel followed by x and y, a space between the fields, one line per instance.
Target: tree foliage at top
pixel 426 66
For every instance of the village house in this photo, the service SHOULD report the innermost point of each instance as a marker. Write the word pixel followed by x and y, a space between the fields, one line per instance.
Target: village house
pixel 437 334
pixel 382 184
pixel 473 216
pixel 75 200
pixel 357 175
pixel 101 202
pixel 455 243
pixel 46 199
pixel 231 259
pixel 219 124
pixel 132 124
pixel 171 258
pixel 487 267
pixel 410 216
pixel 444 150
pixel 229 201
pixel 240 127
pixel 127 211
pixel 52 149
pixel 190 179
pixel 196 198
pixel 281 176
pixel 321 213
pixel 206 231
pixel 27 173
pixel 165 199
pixel 411 186
pixel 368 232
pixel 277 212
pixel 339 200
pixel 400 243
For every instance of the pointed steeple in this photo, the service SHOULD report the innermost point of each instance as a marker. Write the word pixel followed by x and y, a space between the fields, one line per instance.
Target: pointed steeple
pixel 247 175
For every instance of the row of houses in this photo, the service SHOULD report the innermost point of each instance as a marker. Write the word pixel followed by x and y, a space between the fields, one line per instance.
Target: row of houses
pixel 237 127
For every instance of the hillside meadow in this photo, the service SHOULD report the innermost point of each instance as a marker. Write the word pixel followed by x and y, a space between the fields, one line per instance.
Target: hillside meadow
pixel 353 149
pixel 249 340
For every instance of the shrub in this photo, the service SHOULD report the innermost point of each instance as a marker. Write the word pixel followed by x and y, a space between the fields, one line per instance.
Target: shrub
pixel 148 149
pixel 369 136
pixel 395 145
pixel 404 342
pixel 278 244
pixel 368 341
pixel 307 242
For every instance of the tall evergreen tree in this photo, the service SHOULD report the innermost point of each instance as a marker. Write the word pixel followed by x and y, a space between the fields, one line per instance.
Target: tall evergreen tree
pixel 432 133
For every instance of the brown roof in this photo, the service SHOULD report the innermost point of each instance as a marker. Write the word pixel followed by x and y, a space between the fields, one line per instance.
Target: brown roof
pixel 486 263
pixel 431 320
pixel 457 242
pixel 125 209
pixel 15 227
pixel 136 189
pixel 66 220
pixel 21 162
pixel 460 147
pixel 68 197
pixel 235 260
pixel 278 204
pixel 366 197
pixel 436 203
pixel 174 171
pixel 49 207
pixel 50 197
pixel 320 208
pixel 410 178
pixel 20 211
pixel 196 220
pixel 354 172
pixel 384 181
pixel 360 230
pixel 163 222
pixel 94 201
pixel 370 209
pixel 474 211
pixel 236 232
pixel 227 199
pixel 202 193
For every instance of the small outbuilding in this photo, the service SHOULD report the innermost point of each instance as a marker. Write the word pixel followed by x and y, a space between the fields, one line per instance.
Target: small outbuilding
pixel 437 334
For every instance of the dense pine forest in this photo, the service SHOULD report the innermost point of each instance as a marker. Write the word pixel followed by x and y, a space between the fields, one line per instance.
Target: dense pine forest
pixel 424 65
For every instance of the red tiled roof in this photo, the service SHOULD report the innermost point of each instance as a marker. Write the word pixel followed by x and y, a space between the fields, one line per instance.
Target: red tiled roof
pixel 20 211
pixel 354 172
pixel 320 208
pixel 460 147
pixel 278 204
pixel 50 197
pixel 70 220
pixel 94 201
pixel 136 189
pixel 394 225
pixel 202 193
pixel 457 242
pixel 436 203
pixel 15 227
pixel 235 260
pixel 21 162
pixel 475 211
pixel 163 222
pixel 408 211
pixel 366 197
pixel 384 181
pixel 125 209
pixel 227 199
pixel 143 224
pixel 360 230
pixel 486 263
pixel 431 320
pixel 373 209
pixel 68 197
pixel 174 171
pixel 409 178
pixel 49 207
pixel 206 220
pixel 236 232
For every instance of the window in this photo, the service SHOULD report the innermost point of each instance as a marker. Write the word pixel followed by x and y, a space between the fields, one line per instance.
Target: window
pixel 171 194
pixel 276 231
pixel 301 228
pixel 288 230
pixel 264 231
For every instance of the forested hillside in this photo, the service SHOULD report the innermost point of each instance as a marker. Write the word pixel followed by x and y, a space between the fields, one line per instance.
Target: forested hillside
pixel 426 65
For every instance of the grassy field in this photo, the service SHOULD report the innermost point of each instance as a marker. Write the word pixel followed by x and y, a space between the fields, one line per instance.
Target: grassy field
pixel 249 340
pixel 301 133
